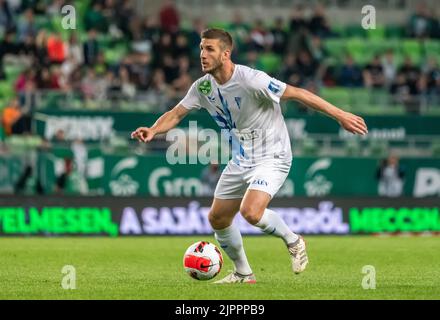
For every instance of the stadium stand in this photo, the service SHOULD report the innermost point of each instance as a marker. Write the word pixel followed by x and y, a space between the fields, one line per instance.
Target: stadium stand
pixel 121 60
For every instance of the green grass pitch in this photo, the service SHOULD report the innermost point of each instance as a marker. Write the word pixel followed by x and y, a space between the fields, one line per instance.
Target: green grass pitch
pixel 151 268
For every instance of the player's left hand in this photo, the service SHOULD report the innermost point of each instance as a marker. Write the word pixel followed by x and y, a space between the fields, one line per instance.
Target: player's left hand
pixel 353 123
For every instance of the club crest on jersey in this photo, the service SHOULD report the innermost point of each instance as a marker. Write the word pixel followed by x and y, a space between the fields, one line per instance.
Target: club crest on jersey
pixel 205 87
pixel 275 88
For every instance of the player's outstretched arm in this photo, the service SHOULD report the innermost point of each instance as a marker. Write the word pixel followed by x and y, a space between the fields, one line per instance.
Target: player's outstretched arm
pixel 347 120
pixel 166 122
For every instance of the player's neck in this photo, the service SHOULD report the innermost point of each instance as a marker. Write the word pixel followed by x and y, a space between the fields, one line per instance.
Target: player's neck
pixel 224 74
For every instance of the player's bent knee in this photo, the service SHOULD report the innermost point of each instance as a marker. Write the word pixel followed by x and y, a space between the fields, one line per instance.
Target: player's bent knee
pixel 217 221
pixel 251 214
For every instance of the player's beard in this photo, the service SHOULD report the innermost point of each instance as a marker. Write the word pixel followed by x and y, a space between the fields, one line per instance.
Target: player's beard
pixel 215 68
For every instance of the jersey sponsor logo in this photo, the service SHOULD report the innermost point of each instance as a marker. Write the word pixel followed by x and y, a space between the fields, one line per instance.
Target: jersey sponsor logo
pixel 205 87
pixel 275 88
pixel 247 135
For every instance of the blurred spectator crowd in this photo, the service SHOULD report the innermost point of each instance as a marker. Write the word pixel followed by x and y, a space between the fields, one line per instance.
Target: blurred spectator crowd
pixel 116 54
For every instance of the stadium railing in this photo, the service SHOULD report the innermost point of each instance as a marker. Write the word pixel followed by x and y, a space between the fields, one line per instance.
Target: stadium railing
pixel 360 100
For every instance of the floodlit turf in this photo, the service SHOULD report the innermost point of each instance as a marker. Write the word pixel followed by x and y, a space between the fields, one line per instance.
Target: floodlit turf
pixel 151 268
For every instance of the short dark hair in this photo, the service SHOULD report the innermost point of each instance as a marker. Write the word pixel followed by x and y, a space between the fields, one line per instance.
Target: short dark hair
pixel 220 34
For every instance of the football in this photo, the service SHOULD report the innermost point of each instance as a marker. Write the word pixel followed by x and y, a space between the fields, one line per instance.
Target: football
pixel 203 260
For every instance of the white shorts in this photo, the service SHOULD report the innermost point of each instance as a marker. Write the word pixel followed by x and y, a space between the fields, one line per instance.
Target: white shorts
pixel 268 176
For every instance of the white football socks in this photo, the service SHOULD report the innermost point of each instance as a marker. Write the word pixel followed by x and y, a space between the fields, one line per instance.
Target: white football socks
pixel 272 223
pixel 231 242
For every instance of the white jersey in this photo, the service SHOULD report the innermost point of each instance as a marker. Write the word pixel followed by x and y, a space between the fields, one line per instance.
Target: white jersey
pixel 247 109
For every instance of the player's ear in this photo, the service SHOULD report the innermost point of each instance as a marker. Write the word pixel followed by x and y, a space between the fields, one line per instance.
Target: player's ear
pixel 227 54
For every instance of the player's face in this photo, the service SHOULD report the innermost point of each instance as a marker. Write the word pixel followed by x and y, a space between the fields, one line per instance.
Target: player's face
pixel 212 55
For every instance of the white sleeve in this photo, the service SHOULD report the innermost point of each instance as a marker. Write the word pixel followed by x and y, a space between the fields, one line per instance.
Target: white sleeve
pixel 192 98
pixel 267 87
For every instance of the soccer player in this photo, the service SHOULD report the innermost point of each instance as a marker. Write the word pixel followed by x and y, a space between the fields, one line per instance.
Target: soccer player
pixel 246 103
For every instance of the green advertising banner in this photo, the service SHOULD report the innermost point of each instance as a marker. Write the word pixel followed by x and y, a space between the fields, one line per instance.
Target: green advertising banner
pixel 135 216
pixel 391 219
pixel 57 220
pixel 118 175
pixel 96 126
pixel 313 177
pixel 85 178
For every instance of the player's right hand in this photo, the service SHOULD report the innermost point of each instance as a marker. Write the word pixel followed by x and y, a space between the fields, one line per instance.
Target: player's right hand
pixel 143 134
pixel 353 123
